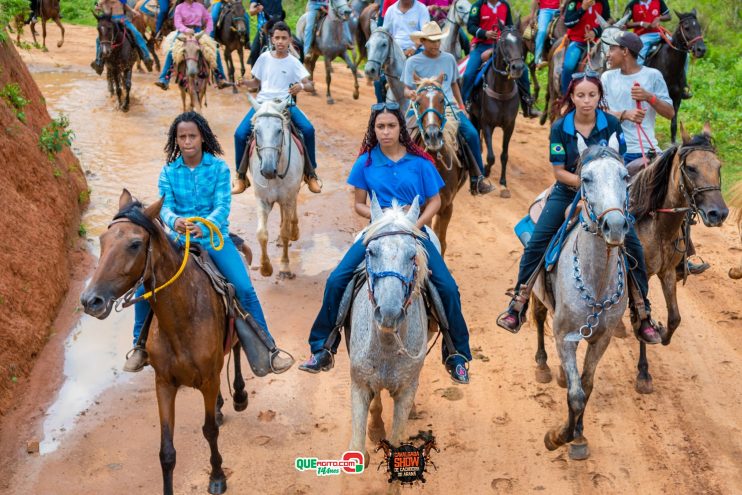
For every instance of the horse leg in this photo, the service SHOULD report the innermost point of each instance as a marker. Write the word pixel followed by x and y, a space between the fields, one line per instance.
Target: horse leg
pixel 286 218
pixel 328 80
pixel 230 67
pixel 643 378
pixel 668 281
pixel 360 398
pixel 118 82
pixel 266 269
pixel 440 225
pixel 61 28
pixel 127 87
pixel 543 372
pixel 506 135
pixel 109 78
pixel 403 402
pixel 578 449
pixel 183 98
pixel 487 130
pixel 354 69
pixel 575 395
pixel 219 413
pixel 536 87
pixel 193 90
pixel 166 393
pixel 43 33
pixel 674 121
pixel 241 53
pixel 376 428
pixel 239 399
pixel 217 479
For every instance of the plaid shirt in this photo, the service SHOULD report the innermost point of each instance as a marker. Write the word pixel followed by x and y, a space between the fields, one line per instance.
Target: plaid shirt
pixel 203 191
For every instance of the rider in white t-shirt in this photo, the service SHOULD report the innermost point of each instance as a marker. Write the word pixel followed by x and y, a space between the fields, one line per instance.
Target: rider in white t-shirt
pixel 404 18
pixel 279 75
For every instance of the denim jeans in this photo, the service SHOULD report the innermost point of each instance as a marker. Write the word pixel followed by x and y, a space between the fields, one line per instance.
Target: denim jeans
pixel 165 73
pixel 572 57
pixel 216 9
pixel 544 18
pixel 244 130
pixel 141 42
pixel 342 275
pixel 552 217
pixel 648 41
pixel 471 136
pixel 229 262
pixel 162 14
pixel 630 157
pixel 472 67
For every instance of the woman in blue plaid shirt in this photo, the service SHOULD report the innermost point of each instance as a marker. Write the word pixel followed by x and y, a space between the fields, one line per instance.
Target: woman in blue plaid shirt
pixel 195 182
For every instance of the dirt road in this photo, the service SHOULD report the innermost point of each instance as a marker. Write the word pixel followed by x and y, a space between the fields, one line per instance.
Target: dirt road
pixel 684 438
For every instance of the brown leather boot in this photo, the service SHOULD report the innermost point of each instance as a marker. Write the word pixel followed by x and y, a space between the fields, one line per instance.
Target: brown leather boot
pixel 240 184
pixel 281 363
pixel 313 184
pixel 136 360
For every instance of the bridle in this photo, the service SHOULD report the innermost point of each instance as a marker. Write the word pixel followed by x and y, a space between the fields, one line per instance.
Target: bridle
pixel 690 196
pixel 597 218
pixel 421 116
pixel 500 51
pixel 193 40
pixel 689 43
pixel 409 282
pixel 279 148
pixel 388 56
pixel 115 30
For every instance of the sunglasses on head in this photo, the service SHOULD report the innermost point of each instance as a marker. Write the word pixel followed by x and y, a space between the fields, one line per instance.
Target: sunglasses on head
pixel 582 75
pixel 392 106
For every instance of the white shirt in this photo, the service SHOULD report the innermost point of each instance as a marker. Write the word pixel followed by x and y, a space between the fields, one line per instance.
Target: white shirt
pixel 617 89
pixel 401 25
pixel 276 74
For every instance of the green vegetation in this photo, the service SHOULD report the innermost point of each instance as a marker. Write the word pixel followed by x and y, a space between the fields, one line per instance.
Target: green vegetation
pixel 82 231
pixel 12 94
pixel 9 9
pixel 55 136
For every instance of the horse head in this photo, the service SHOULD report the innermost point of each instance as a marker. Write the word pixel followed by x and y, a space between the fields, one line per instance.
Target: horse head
pixel 430 109
pixel 270 124
pixel 238 24
pixel 107 34
pixel 341 9
pixel 700 176
pixel 690 33
pixel 604 186
pixel 191 52
pixel 379 48
pixel 510 47
pixel 459 14
pixel 125 255
pixel 396 262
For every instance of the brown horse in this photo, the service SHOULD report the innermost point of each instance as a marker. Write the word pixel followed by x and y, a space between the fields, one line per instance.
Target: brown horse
pixel 143 23
pixel 193 73
pixel 48 9
pixel 684 182
pixel 438 136
pixel 186 347
pixel 735 199
pixel 118 54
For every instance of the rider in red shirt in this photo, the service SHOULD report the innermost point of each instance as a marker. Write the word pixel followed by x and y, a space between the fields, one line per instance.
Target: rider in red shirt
pixel 645 20
pixel 581 19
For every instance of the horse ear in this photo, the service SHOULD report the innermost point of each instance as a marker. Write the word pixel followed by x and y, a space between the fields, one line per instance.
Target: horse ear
pixel 415 77
pixel 517 22
pixel 707 128
pixel 694 12
pixel 500 25
pixel 684 134
pixel 440 78
pixel 198 35
pixel 376 211
pixel 622 22
pixel 613 142
pixel 414 212
pixel 253 102
pixel 581 146
pixel 181 37
pixel 125 199
pixel 678 14
pixel 153 210
pixel 603 23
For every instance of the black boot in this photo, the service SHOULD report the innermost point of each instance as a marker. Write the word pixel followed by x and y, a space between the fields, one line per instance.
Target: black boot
pixel 320 361
pixel 456 367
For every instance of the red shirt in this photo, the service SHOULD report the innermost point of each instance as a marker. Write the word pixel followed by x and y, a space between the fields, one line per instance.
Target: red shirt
pixel 589 19
pixel 548 4
pixel 488 20
pixel 647 12
pixel 387 4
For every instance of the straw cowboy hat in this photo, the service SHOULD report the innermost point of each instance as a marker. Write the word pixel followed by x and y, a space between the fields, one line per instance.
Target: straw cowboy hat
pixel 430 31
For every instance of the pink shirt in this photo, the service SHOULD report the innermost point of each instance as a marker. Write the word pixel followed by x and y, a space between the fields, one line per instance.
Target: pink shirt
pixel 437 15
pixel 194 14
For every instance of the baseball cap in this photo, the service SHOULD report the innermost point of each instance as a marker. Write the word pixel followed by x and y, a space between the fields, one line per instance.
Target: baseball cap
pixel 627 40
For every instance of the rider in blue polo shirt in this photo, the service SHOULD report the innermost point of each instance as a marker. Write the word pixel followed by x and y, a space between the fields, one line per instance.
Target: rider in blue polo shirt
pixel 585 116
pixel 391 166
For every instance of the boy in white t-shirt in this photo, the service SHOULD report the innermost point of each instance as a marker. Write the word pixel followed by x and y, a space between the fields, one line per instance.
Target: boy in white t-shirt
pixel 278 74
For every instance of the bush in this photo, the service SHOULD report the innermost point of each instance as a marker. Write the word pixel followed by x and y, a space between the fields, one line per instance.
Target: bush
pixel 9 9
pixel 55 136
pixel 12 94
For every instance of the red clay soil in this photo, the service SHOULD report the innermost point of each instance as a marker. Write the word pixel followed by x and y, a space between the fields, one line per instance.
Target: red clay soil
pixel 41 201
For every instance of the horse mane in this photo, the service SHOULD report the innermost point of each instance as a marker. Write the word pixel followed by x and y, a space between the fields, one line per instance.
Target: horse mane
pixel 594 152
pixel 649 187
pixel 396 217
pixel 134 212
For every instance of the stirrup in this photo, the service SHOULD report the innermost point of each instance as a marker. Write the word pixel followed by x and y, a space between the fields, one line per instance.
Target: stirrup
pixel 278 352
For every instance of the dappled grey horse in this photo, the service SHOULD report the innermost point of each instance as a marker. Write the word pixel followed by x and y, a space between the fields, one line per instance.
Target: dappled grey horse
pixel 389 327
pixel 458 16
pixel 330 43
pixel 586 295
pixel 385 57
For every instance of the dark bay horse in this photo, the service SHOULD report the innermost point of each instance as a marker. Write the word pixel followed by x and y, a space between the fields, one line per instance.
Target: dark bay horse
pixel 681 184
pixel 232 34
pixel 48 9
pixel 670 59
pixel 435 132
pixel 186 346
pixel 119 55
pixel 496 102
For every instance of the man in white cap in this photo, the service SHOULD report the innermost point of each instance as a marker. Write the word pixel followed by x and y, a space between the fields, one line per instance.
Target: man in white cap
pixel 430 63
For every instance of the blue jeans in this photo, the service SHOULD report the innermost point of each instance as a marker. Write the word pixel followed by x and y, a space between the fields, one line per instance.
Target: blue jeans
pixel 165 73
pixel 552 217
pixel 572 57
pixel 162 14
pixel 544 18
pixel 471 136
pixel 342 275
pixel 648 41
pixel 141 43
pixel 244 130
pixel 216 9
pixel 472 67
pixel 229 262
pixel 630 157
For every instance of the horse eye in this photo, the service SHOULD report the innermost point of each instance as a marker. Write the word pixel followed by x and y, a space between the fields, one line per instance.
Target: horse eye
pixel 135 245
pixel 370 252
pixel 691 170
pixel 586 180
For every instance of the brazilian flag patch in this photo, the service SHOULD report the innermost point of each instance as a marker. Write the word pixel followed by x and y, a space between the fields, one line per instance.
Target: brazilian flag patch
pixel 557 149
pixel 474 10
pixel 571 6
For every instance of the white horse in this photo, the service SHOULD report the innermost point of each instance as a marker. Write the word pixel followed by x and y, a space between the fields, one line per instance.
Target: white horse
pixel 277 168
pixel 389 327
pixel 386 57
pixel 458 16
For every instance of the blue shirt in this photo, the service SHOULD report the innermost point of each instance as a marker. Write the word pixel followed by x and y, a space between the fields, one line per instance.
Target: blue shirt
pixel 203 191
pixel 411 176
pixel 563 138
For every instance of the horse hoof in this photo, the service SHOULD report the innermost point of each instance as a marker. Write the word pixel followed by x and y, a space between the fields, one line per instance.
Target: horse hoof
pixel 550 445
pixel 579 451
pixel 561 379
pixel 504 192
pixel 330 101
pixel 355 95
pixel 266 270
pixel 59 44
pixel 217 487
pixel 377 434
pixel 234 90
pixel 543 375
pixel 644 386
pixel 219 418
pixel 240 406
pixel 282 275
pixel 620 331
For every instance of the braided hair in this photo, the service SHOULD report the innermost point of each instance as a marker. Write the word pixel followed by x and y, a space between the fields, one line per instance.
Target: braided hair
pixel 210 143
pixel 370 140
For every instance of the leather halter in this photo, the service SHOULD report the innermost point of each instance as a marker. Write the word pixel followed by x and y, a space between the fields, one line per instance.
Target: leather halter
pixel 506 72
pixel 118 27
pixel 441 115
pixel 409 282
pixel 279 149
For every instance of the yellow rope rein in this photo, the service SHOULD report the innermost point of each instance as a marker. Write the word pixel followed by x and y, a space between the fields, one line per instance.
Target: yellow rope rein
pixel 213 230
